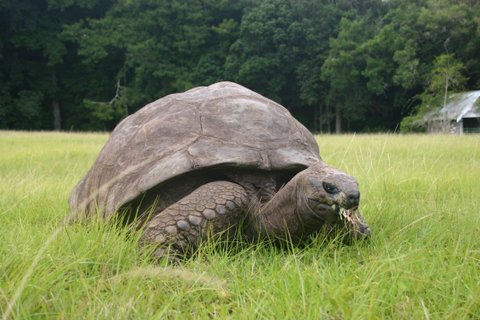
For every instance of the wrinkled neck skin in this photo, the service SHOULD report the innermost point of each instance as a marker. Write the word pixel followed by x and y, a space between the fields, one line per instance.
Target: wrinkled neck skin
pixel 317 196
pixel 286 215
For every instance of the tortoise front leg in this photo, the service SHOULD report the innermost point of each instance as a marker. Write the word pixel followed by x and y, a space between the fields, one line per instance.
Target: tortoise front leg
pixel 216 207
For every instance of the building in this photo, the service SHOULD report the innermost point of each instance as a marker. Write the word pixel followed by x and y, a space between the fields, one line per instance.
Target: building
pixel 460 115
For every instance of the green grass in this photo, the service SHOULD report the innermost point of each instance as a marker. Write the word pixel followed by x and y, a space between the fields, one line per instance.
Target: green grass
pixel 420 195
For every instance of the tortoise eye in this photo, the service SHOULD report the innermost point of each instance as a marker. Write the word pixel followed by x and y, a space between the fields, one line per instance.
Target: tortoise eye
pixel 330 188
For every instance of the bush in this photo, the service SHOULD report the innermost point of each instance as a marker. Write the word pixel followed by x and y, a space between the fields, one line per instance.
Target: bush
pixel 413 123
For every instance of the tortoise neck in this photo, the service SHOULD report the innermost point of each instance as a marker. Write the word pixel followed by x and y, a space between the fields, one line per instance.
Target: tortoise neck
pixel 279 218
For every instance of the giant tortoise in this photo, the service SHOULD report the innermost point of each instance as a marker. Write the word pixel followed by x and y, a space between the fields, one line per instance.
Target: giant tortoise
pixel 217 160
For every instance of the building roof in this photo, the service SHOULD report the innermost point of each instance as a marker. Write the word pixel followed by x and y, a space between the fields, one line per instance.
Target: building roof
pixel 461 105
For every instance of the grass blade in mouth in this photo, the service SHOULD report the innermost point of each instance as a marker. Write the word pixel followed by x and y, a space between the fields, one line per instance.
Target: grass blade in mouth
pixel 347 214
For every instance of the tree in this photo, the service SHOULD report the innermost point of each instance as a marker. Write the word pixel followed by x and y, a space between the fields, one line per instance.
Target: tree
pixel 319 22
pixel 362 65
pixel 263 56
pixel 347 93
pixel 36 62
pixel 448 34
pixel 280 50
pixel 446 74
pixel 154 48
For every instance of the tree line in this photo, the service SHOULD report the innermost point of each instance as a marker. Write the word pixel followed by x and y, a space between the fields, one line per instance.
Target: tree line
pixel 337 65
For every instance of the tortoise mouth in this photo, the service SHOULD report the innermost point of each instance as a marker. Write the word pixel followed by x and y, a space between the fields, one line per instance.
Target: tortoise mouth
pixel 349 221
pixel 347 214
pixel 324 212
pixel 354 224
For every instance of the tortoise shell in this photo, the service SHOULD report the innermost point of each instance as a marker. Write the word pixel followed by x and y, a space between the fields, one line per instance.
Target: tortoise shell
pixel 223 125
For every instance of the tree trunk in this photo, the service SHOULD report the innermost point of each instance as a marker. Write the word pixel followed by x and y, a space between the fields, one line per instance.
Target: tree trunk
pixel 329 119
pixel 320 113
pixel 57 119
pixel 445 115
pixel 318 119
pixel 338 121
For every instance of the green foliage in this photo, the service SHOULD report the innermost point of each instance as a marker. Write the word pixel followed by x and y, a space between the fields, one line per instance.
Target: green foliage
pixel 413 123
pixel 103 115
pixel 371 61
pixel 343 67
pixel 35 58
pixel 406 74
pixel 25 110
pixel 160 47
pixel 446 74
pixel 261 55
pixel 28 104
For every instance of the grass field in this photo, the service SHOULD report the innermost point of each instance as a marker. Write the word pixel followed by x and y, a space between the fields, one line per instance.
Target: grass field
pixel 420 195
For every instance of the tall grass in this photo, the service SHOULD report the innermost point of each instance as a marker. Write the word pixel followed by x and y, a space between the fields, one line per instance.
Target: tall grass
pixel 420 195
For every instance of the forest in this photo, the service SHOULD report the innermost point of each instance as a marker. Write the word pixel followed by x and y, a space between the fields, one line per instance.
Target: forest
pixel 337 65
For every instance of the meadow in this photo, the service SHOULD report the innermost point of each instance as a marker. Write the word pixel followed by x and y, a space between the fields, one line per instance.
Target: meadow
pixel 420 195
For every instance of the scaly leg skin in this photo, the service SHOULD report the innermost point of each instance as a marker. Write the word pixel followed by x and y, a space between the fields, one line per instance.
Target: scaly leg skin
pixel 216 206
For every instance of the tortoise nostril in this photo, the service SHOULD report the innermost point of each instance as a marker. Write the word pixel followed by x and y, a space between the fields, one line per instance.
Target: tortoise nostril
pixel 353 199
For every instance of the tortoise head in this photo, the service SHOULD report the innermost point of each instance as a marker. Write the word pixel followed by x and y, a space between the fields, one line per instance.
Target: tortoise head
pixel 332 196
